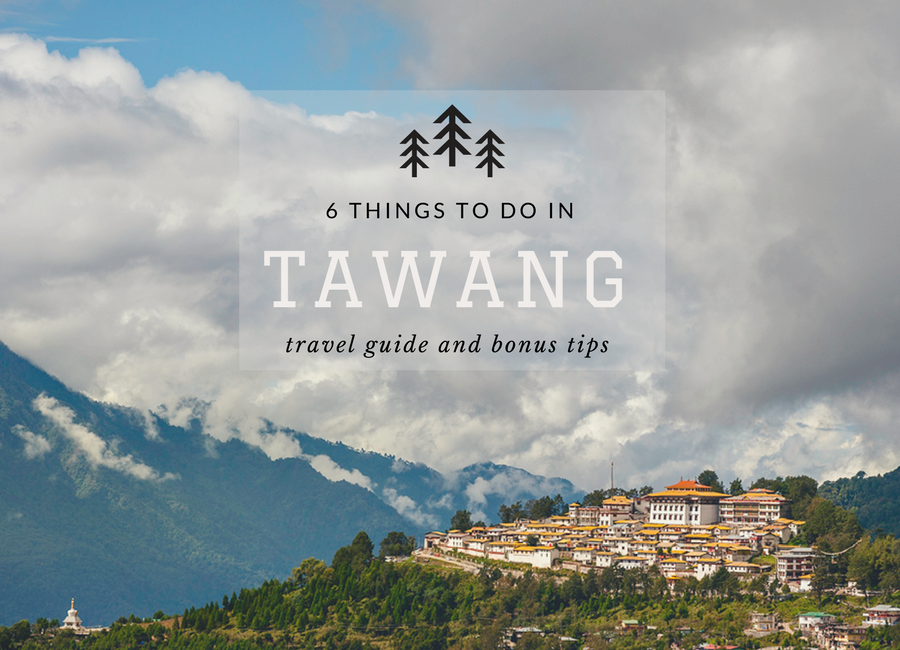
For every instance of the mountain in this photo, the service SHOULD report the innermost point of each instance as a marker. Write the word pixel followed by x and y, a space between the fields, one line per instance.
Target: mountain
pixel 872 498
pixel 128 513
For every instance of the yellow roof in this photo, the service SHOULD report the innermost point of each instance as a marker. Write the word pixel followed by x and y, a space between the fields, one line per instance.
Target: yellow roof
pixel 687 493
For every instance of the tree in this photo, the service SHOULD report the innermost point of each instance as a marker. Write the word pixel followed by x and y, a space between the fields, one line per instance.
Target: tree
pixel 710 478
pixel 310 568
pixel 595 498
pixel 509 514
pixel 462 520
pixel 830 526
pixel 362 545
pixel 357 555
pixel 545 507
pixel 396 544
pixel 736 488
pixel 823 579
pixel 799 489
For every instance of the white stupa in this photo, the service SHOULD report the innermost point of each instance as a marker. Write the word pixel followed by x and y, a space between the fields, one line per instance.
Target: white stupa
pixel 72 622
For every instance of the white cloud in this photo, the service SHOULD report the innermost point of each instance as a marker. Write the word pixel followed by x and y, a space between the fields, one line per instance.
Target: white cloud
pixel 783 133
pixel 35 445
pixel 94 449
pixel 334 472
pixel 509 483
pixel 408 508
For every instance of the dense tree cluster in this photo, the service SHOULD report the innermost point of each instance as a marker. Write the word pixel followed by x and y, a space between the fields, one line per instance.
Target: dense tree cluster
pixel 875 564
pixel 360 602
pixel 872 498
pixel 541 508
pixel 597 497
pixel 396 544
pixel 359 599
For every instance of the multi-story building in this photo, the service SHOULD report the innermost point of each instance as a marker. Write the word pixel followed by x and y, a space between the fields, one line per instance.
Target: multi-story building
pixel 791 564
pixel 756 507
pixel 687 503
pixel 619 504
pixel 881 615
pixel 580 515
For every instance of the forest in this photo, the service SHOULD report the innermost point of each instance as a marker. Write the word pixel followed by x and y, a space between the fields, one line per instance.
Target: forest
pixel 367 600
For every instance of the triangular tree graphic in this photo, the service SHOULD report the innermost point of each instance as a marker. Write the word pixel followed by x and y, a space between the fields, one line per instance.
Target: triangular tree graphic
pixel 414 151
pixel 452 131
pixel 491 150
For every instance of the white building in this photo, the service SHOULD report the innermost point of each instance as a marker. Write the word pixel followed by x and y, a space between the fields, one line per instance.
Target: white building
pixel 881 615
pixel 687 503
pixel 72 622
pixel 540 557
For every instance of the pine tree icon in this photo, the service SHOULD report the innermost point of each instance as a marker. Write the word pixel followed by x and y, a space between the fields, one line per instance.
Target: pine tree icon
pixel 490 149
pixel 452 131
pixel 414 151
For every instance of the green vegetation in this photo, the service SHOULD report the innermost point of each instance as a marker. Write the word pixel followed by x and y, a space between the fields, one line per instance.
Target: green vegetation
pixel 710 478
pixel 872 498
pixel 396 544
pixel 363 602
pixel 597 497
pixel 541 508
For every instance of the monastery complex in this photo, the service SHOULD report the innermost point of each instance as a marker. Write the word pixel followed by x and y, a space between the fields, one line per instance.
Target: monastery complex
pixel 686 530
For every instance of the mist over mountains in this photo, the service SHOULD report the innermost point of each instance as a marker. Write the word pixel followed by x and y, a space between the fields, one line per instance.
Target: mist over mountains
pixel 128 513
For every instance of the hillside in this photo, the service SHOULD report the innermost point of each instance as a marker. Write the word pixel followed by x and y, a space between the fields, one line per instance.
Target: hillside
pixel 872 498
pixel 361 602
pixel 92 506
pixel 129 513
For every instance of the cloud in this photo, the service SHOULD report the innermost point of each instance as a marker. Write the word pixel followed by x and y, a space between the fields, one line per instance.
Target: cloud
pixel 782 135
pixel 35 445
pixel 408 508
pixel 93 447
pixel 510 483
pixel 334 472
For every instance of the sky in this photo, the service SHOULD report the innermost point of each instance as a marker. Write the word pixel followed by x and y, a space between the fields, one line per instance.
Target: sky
pixel 119 248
